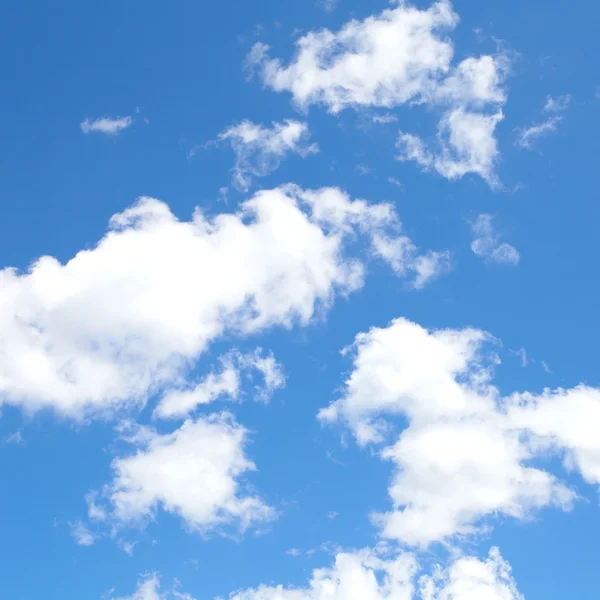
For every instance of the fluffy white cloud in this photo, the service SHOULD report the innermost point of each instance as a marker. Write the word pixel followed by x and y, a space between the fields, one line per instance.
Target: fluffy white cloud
pixel 372 575
pixel 106 125
pixel 466 452
pixel 130 316
pixel 466 144
pixel 472 579
pixel 179 402
pixel 193 472
pixel 566 420
pixel 527 136
pixel 259 150
pixel 487 242
pixel 363 575
pixel 352 68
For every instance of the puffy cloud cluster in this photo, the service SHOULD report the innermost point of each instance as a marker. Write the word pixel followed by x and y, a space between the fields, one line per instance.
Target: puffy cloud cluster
pixel 130 316
pixel 369 575
pixel 193 473
pixel 466 452
pixel 402 56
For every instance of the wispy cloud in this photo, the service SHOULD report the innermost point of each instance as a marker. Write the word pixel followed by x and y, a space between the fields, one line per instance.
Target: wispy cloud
pixel 487 242
pixel 528 135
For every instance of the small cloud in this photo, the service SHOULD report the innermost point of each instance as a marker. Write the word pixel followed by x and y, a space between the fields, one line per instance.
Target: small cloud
pixel 487 243
pixel 293 552
pixel 384 119
pixel 82 535
pixel 362 169
pixel 14 439
pixel 332 514
pixel 545 366
pixel 127 547
pixel 522 354
pixel 259 150
pixel 558 104
pixel 395 182
pixel 328 5
pixel 106 125
pixel 528 135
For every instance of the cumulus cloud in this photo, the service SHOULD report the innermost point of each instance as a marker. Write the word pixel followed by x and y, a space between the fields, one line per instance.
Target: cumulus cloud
pixel 106 125
pixel 179 402
pixel 374 574
pixel 529 135
pixel 193 473
pixel 487 242
pixel 351 68
pixel 466 452
pixel 259 150
pixel 466 144
pixel 130 316
pixel 473 579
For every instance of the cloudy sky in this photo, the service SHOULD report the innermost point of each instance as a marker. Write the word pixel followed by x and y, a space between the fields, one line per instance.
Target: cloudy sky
pixel 298 300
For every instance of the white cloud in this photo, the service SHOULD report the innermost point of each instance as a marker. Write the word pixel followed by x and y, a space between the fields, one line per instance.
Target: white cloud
pixel 472 579
pixel 527 136
pixel 351 68
pixel 364 574
pixel 374 574
pixel 106 125
pixel 332 207
pixel 259 150
pixel 328 5
pixel 566 420
pixel 558 104
pixel 82 535
pixel 487 242
pixel 149 589
pixel 129 317
pixel 15 438
pixel 466 144
pixel 193 473
pixel 179 402
pixel 466 452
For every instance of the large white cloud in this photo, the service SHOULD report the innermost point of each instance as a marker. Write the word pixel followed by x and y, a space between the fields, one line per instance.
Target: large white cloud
pixel 372 575
pixel 130 316
pixel 193 473
pixel 402 56
pixel 466 452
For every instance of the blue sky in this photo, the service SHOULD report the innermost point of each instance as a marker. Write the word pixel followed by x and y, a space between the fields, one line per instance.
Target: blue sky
pixel 316 306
